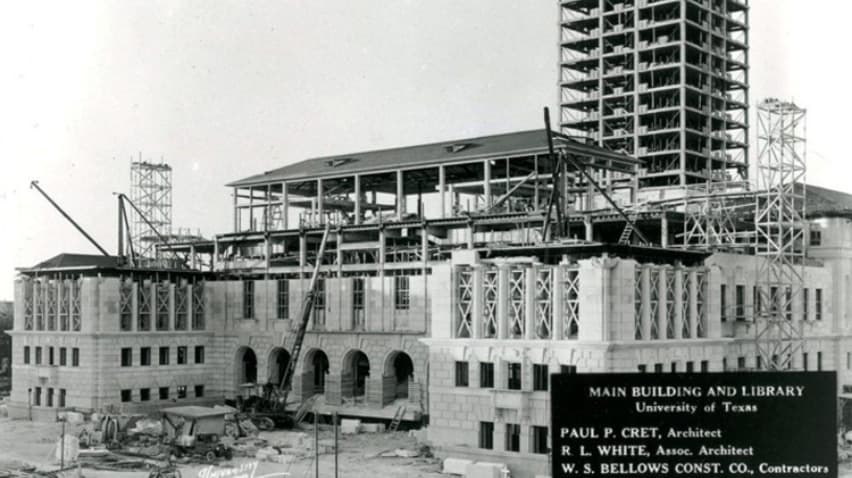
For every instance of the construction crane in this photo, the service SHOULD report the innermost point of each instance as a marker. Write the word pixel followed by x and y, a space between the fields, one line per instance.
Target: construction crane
pixel 270 408
pixel 34 185
pixel 555 199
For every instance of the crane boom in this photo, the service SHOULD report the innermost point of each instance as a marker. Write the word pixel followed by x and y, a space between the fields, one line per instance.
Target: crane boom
pixel 34 184
pixel 307 306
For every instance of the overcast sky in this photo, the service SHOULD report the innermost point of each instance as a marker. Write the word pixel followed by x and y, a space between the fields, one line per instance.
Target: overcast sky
pixel 223 90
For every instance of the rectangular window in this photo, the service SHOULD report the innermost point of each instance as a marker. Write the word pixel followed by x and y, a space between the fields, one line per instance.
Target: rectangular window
pixel 164 393
pixel 199 354
pixel 319 305
pixel 788 303
pixel 37 396
pixel 63 356
pixel 199 391
pixel 817 304
pixel 741 363
pixel 805 294
pixel 461 374
pixel 49 397
pixel 50 356
pixel 539 440
pixel 38 356
pixel 181 355
pixel 513 437
pixel 513 376
pixel 758 361
pixel 248 299
pixel 486 375
pixel 164 355
pixel 126 357
pixel 283 294
pixel 819 361
pixel 486 435
pixel 61 403
pixel 723 301
pixel 143 302
pixel 740 304
pixel 658 368
pixel 401 292
pixel 705 366
pixel 541 377
pixel 724 364
pixel 358 303
pixel 126 395
pixel 182 391
pixel 642 368
pixel 816 237
pixel 805 361
pixel 163 305
pixel 758 305
pixel 26 354
pixel 568 369
pixel 144 394
pixel 690 367
pixel 75 357
pixel 674 367
pixel 145 356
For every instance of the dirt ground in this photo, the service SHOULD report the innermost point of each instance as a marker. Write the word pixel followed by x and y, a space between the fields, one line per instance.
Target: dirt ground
pixel 29 443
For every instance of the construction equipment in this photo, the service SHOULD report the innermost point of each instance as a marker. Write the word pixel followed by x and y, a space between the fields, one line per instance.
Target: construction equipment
pixel 554 202
pixel 34 184
pixel 397 419
pixel 271 405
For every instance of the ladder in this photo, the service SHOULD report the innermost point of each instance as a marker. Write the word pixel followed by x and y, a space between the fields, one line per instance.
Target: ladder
pixel 303 410
pixel 626 234
pixel 397 418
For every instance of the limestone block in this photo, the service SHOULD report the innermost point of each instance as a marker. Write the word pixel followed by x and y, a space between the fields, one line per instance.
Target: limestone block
pixel 372 427
pixel 483 470
pixel 350 426
pixel 456 466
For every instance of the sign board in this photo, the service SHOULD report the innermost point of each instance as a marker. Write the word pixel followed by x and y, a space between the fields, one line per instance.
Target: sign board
pixel 742 424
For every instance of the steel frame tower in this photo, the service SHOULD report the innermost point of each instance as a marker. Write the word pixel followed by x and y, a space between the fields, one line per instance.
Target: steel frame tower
pixel 780 227
pixel 665 81
pixel 151 192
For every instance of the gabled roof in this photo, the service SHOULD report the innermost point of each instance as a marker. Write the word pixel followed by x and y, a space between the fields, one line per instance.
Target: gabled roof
pixel 67 260
pixel 458 150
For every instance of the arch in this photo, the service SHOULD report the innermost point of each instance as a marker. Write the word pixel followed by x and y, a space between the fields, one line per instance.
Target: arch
pixel 356 366
pixel 316 365
pixel 245 366
pixel 277 363
pixel 399 365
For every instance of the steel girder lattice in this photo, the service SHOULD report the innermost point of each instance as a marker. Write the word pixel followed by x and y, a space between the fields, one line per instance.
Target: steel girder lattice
pixel 780 230
pixel 151 192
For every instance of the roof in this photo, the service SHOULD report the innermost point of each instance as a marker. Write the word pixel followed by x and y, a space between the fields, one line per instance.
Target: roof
pixel 823 202
pixel 67 260
pixel 459 150
pixel 194 411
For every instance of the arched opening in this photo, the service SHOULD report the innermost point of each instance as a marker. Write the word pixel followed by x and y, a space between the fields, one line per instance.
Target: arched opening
pixel 356 367
pixel 279 358
pixel 245 366
pixel 401 368
pixel 316 366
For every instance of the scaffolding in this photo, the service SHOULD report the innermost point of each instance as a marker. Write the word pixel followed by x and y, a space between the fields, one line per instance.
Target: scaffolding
pixel 713 214
pixel 151 192
pixel 780 227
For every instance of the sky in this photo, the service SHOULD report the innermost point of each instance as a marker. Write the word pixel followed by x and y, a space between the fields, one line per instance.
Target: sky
pixel 222 90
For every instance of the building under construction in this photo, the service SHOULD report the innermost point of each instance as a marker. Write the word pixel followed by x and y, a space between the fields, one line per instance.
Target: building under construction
pixel 457 276
pixel 443 294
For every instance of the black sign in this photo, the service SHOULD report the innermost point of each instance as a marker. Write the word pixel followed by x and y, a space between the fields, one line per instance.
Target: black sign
pixel 778 424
